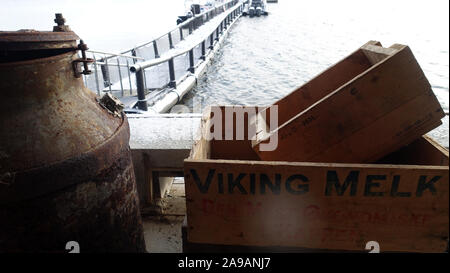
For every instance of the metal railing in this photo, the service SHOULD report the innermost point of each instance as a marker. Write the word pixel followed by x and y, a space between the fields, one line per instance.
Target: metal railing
pixel 100 80
pixel 184 29
pixel 112 70
pixel 204 46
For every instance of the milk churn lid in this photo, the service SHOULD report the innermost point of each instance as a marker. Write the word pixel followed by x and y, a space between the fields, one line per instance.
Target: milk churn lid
pixel 27 40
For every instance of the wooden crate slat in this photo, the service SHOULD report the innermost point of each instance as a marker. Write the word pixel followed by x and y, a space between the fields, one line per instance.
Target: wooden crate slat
pixel 387 205
pixel 387 97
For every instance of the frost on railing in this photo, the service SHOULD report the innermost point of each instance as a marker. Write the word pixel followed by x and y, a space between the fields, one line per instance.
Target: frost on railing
pixel 111 72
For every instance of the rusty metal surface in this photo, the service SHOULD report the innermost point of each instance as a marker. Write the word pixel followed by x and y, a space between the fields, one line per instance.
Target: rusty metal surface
pixel 65 164
pixel 62 37
pixel 26 184
pixel 83 60
pixel 91 199
pixel 48 117
pixel 101 214
pixel 32 40
pixel 31 35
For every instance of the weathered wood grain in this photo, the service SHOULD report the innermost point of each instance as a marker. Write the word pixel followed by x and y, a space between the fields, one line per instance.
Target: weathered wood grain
pixel 401 202
pixel 254 203
pixel 380 107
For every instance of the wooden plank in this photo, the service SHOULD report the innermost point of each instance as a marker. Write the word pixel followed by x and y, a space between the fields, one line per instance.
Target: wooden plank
pixel 189 247
pixel 202 147
pixel 398 130
pixel 321 85
pixel 403 208
pixel 233 148
pixel 377 53
pixel 373 114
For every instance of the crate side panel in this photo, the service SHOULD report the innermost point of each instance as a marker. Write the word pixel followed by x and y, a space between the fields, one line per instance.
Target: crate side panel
pixel 233 149
pixel 320 86
pixel 233 141
pixel 274 204
pixel 387 134
pixel 364 101
pixel 202 146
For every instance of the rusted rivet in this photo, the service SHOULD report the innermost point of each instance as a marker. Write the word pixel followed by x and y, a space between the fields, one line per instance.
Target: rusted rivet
pixel 60 21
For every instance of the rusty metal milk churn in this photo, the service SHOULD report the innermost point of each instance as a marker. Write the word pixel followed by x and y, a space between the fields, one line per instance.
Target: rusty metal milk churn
pixel 66 173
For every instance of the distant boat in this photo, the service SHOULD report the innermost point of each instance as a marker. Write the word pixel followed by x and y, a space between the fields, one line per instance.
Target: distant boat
pixel 195 9
pixel 255 8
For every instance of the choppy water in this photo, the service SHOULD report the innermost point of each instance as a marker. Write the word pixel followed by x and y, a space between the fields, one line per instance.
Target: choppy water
pixel 265 58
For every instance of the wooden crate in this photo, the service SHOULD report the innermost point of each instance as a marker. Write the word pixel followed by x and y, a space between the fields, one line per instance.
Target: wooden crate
pixel 233 198
pixel 366 106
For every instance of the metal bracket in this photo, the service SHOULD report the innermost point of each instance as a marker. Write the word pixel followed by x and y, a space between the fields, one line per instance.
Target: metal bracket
pixel 76 68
